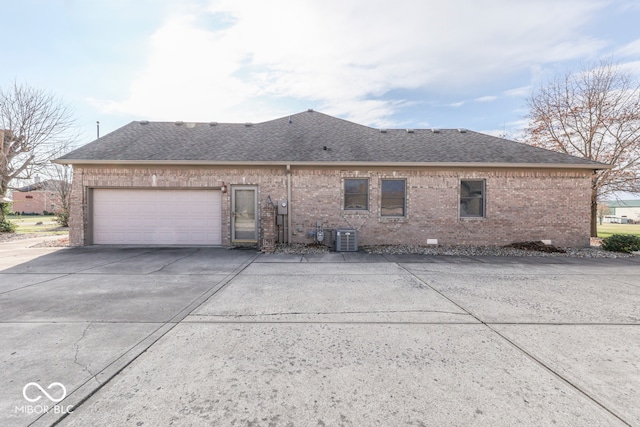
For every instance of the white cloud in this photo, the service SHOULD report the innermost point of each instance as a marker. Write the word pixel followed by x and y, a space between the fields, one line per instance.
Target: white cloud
pixel 189 75
pixel 518 92
pixel 630 49
pixel 489 98
pixel 344 56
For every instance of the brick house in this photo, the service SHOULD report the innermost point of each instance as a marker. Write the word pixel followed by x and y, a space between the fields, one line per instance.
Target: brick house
pixel 37 198
pixel 286 179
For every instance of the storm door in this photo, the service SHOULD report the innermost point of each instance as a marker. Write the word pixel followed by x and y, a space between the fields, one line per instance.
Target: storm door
pixel 244 224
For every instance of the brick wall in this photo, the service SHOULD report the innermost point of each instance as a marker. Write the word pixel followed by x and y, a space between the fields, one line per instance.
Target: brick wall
pixel 520 204
pixel 36 201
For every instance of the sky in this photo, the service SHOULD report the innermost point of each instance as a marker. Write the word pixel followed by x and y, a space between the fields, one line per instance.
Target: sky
pixel 386 64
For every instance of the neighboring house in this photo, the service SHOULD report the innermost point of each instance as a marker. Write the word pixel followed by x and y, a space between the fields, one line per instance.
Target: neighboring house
pixel 225 184
pixel 623 211
pixel 37 198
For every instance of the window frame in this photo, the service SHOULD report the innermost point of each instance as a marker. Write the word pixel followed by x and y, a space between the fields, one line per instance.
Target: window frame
pixel 404 198
pixel 345 194
pixel 482 197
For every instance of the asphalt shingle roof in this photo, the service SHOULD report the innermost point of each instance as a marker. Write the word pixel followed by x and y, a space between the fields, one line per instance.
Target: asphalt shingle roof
pixel 309 137
pixel 47 185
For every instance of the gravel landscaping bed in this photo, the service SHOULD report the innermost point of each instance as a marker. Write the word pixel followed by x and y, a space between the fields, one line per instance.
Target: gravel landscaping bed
pixel 62 242
pixel 592 252
pixel 10 237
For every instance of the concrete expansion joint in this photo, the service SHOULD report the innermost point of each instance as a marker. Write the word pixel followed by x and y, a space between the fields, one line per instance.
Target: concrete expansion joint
pixel 488 324
pixel 556 373
pixel 36 283
pixel 294 313
pixel 522 350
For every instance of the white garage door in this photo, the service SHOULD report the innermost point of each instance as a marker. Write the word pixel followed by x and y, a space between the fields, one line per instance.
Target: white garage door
pixel 156 217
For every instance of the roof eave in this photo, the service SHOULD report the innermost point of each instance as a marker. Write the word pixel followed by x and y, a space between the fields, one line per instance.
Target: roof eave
pixel 340 163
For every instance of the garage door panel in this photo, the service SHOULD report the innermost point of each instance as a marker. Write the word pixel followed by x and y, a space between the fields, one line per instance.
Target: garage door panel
pixel 183 211
pixel 199 222
pixel 164 222
pixel 158 217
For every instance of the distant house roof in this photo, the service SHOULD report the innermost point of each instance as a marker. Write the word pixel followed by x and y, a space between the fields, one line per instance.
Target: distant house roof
pixel 623 203
pixel 47 185
pixel 310 138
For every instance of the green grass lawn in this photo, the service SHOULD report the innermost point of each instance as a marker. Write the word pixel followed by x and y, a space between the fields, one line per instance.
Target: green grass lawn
pixel 28 224
pixel 606 230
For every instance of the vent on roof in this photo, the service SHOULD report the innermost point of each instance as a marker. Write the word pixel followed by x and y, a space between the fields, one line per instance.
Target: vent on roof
pixel 383 131
pixel 213 123
pixel 179 123
pixel 310 110
pixel 435 130
pixel 462 130
pixel 410 131
pixel 144 122
pixel 248 124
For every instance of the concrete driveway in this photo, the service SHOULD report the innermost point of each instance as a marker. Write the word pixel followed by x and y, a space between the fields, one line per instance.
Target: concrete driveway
pixel 205 336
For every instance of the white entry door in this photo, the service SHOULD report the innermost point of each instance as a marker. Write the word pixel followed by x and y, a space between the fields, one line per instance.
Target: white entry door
pixel 156 217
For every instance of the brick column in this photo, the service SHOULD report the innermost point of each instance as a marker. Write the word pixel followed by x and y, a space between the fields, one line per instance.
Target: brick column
pixel 268 227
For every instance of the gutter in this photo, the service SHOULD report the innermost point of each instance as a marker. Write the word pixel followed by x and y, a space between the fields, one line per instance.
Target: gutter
pixel 590 166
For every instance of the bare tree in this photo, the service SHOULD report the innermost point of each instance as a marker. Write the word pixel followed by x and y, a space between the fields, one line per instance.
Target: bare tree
pixel 60 185
pixel 35 127
pixel 603 210
pixel 593 114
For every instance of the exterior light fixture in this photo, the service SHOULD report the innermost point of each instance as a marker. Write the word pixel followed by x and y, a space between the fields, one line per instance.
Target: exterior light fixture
pixel 223 188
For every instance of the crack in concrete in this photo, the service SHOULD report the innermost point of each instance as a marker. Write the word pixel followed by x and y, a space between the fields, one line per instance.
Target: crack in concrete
pixel 114 262
pixel 174 261
pixel 77 347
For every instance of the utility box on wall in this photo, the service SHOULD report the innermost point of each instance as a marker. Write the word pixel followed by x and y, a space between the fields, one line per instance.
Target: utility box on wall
pixel 283 207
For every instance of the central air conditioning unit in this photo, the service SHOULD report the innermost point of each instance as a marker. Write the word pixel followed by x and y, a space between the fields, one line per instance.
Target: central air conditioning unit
pixel 346 241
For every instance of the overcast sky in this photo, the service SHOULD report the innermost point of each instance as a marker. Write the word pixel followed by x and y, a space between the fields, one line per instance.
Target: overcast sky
pixel 400 63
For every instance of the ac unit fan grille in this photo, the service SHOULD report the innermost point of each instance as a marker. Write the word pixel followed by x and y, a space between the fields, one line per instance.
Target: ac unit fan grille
pixel 346 241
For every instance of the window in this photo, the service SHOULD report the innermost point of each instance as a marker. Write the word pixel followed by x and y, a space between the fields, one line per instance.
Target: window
pixel 392 202
pixel 356 194
pixel 472 199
